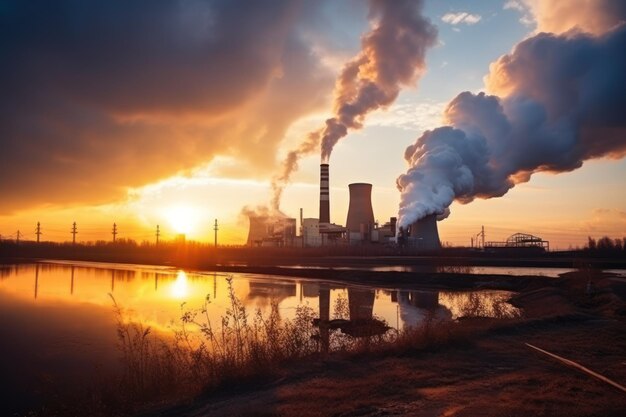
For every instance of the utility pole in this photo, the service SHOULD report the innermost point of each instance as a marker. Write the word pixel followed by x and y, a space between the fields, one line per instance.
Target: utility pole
pixel 38 231
pixel 74 231
pixel 17 237
pixel 114 232
pixel 482 232
pixel 215 229
pixel 158 234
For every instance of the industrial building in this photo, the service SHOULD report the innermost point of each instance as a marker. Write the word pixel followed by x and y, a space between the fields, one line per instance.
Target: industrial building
pixel 423 234
pixel 361 227
pixel 271 231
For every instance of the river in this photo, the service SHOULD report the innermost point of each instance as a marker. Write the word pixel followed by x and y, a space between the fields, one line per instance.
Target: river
pixel 58 324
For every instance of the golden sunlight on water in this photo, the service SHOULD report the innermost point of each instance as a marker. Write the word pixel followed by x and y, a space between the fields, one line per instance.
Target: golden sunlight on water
pixel 60 317
pixel 157 296
pixel 180 288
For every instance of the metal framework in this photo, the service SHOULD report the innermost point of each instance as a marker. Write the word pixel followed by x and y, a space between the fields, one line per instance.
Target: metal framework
pixel 521 240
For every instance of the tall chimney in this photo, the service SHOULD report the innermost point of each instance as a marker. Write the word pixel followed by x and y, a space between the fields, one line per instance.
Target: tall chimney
pixel 324 195
pixel 360 213
pixel 425 232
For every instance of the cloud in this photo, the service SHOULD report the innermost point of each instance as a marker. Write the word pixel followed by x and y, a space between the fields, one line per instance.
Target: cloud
pixel 99 97
pixel 461 17
pixel 557 101
pixel 522 6
pixel 515 5
pixel 592 16
pixel 416 118
pixel 392 56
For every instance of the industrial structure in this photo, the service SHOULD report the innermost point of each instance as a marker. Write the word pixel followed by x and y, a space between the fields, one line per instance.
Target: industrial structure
pixel 324 195
pixel 266 230
pixel 361 226
pixel 519 241
pixel 360 221
pixel 423 234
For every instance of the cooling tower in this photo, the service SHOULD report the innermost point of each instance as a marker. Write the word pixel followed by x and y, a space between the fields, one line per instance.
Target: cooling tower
pixel 258 229
pixel 424 233
pixel 324 195
pixel 360 214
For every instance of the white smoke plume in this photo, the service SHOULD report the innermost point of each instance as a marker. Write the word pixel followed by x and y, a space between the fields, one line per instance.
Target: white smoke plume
pixel 392 56
pixel 561 100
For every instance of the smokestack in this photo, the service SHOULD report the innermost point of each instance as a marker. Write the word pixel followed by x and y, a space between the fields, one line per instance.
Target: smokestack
pixel 425 232
pixel 324 195
pixel 360 209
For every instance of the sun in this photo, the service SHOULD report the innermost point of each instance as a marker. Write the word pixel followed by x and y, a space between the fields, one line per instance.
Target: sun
pixel 182 218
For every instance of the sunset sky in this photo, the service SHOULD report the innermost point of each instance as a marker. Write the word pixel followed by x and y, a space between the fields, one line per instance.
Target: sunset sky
pixel 181 112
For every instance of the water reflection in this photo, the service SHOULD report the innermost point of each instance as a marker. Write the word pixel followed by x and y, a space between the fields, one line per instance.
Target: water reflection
pixel 59 318
pixel 156 295
pixel 180 288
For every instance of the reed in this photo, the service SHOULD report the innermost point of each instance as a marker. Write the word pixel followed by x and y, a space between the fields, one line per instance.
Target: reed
pixel 205 354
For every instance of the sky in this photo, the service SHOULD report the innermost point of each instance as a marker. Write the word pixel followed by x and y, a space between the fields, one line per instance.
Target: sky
pixel 177 113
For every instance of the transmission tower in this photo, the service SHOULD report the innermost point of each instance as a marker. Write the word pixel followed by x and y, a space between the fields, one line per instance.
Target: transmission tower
pixel 74 231
pixel 158 234
pixel 114 232
pixel 38 231
pixel 482 232
pixel 17 237
pixel 215 229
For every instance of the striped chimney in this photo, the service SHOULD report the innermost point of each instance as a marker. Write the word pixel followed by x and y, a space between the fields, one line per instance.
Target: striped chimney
pixel 324 195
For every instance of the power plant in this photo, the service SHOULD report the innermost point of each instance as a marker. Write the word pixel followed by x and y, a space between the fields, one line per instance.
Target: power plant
pixel 266 230
pixel 324 195
pixel 424 234
pixel 361 226
pixel 360 221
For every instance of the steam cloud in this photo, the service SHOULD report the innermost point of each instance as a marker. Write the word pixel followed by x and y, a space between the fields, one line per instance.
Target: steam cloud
pixel 391 57
pixel 561 101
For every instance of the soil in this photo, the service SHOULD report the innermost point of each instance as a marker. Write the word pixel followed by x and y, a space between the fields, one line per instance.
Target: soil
pixel 489 372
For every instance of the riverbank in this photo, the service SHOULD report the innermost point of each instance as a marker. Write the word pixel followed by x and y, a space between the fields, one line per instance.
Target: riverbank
pixel 485 369
pixel 495 374
pixel 579 315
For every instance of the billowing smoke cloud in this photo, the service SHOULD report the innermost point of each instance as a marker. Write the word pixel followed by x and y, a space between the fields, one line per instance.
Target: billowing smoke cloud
pixel 392 56
pixel 593 16
pixel 101 96
pixel 561 101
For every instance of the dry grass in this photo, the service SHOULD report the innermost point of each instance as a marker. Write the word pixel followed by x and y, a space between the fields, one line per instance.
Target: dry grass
pixel 207 355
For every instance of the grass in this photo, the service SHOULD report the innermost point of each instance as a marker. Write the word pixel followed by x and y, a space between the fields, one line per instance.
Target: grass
pixel 206 355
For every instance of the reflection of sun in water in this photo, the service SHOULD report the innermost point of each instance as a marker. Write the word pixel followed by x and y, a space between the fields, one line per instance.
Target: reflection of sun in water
pixel 180 287
pixel 183 219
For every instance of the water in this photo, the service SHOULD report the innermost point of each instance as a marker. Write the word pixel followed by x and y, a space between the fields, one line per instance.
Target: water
pixel 59 331
pixel 464 269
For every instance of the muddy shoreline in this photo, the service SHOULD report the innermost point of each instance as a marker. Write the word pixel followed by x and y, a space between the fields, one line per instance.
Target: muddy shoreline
pixel 485 369
pixel 482 367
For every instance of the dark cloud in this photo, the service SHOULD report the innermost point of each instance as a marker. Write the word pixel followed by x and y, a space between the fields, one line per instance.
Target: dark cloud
pixel 100 96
